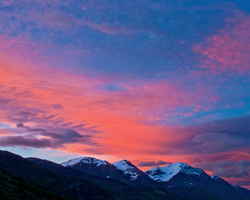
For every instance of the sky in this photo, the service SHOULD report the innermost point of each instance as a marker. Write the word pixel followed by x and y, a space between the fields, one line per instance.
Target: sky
pixel 151 81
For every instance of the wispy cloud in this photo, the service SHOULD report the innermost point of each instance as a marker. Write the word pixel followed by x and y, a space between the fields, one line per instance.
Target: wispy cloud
pixel 227 51
pixel 128 79
pixel 12 141
pixel 152 163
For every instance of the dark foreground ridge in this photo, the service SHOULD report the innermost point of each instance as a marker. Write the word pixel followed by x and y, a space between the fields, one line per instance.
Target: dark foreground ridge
pixel 93 179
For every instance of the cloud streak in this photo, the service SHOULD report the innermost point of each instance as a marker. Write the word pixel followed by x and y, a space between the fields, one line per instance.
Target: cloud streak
pixel 218 142
pixel 13 141
pixel 227 169
pixel 152 163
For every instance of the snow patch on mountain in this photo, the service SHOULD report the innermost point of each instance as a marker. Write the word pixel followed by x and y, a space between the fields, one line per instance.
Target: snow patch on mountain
pixel 87 160
pixel 215 177
pixel 164 174
pixel 238 187
pixel 128 168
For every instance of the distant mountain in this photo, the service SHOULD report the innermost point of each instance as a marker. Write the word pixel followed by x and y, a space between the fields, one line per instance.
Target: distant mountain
pixel 128 169
pixel 37 179
pixel 48 180
pixel 95 167
pixel 123 170
pixel 191 183
pixel 133 175
pixel 86 160
pixel 120 190
pixel 243 191
pixel 229 191
pixel 166 173
pixel 88 178
pixel 180 175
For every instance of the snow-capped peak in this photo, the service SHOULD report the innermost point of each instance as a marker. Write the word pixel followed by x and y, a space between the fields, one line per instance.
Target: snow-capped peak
pixel 87 160
pixel 123 165
pixel 164 174
pixel 128 168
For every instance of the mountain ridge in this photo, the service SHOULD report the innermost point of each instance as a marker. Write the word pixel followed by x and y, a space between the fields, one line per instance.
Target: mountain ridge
pixel 186 182
pixel 176 176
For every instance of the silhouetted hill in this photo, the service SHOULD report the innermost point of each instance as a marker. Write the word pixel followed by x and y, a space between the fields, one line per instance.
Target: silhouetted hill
pixel 90 179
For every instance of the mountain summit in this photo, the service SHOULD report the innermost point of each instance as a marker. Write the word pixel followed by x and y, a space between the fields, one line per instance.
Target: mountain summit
pixel 164 174
pixel 133 175
pixel 179 177
pixel 93 166
pixel 121 180
pixel 128 169
pixel 86 160
pixel 191 181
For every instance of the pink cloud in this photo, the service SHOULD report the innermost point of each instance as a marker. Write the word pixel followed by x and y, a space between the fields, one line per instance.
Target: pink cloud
pixel 123 122
pixel 7 2
pixel 229 50
pixel 40 54
pixel 116 119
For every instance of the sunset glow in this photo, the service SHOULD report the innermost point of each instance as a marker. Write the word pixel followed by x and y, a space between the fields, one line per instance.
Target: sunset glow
pixel 156 82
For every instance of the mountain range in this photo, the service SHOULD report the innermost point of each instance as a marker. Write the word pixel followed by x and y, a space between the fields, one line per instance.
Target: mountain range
pixel 91 178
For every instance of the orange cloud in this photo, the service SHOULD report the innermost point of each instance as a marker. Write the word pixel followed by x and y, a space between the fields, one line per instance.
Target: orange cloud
pixel 122 121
